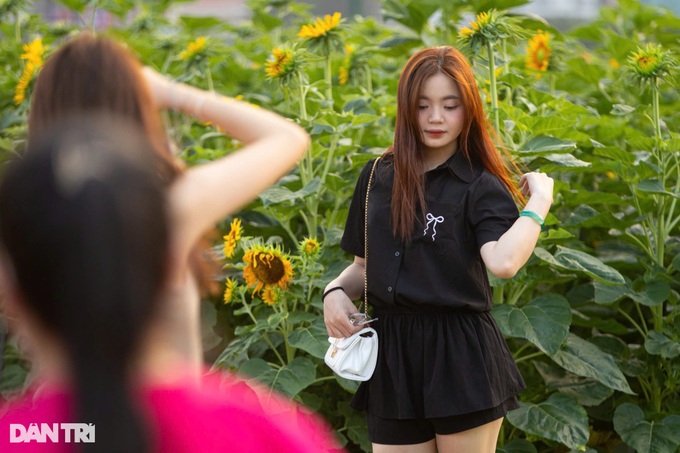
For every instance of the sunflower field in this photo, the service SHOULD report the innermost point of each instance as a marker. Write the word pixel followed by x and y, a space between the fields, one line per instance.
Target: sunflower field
pixel 593 319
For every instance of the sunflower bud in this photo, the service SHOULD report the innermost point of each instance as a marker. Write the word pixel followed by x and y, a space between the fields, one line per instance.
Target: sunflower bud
pixel 650 63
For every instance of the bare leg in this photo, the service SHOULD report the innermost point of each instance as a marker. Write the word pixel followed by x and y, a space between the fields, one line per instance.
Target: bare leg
pixel 426 447
pixel 481 439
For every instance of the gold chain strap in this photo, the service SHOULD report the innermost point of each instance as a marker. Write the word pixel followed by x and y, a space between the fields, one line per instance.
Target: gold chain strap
pixel 368 189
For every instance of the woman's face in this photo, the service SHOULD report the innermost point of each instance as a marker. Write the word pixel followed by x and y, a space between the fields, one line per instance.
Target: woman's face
pixel 440 115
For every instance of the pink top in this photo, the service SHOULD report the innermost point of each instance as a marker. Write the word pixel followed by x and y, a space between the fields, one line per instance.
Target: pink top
pixel 222 415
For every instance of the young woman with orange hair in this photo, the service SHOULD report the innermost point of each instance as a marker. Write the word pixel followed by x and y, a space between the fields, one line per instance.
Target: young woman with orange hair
pixel 442 211
pixel 93 74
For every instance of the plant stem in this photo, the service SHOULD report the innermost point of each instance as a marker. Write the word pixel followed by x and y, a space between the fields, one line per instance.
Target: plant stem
pixel 498 296
pixel 660 241
pixel 328 74
pixel 273 348
pixel 321 379
pixel 369 81
pixel 94 15
pixel 529 357
pixel 17 27
pixel 504 47
pixel 655 110
pixel 303 95
pixel 494 91
pixel 632 321
pixel 208 73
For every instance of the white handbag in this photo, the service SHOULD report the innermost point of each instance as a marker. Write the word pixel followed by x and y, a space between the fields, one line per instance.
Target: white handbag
pixel 354 357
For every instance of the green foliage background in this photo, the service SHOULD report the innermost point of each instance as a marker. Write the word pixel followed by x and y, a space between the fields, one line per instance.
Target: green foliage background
pixel 592 319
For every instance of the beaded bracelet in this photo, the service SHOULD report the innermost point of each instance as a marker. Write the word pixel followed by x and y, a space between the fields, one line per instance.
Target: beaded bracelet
pixel 328 291
pixel 533 215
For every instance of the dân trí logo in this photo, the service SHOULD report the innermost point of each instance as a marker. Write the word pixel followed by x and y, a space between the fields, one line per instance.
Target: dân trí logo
pixel 52 432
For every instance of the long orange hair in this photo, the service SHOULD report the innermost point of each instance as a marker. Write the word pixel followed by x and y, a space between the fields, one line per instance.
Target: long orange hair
pixel 477 140
pixel 93 74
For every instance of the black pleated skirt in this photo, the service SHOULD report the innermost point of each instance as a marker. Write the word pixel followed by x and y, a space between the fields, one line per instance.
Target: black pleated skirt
pixel 438 362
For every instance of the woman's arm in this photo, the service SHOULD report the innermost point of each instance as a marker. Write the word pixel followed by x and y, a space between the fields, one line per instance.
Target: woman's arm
pixel 338 305
pixel 207 193
pixel 504 257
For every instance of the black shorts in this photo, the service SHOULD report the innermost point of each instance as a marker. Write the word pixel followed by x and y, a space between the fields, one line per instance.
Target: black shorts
pixel 389 431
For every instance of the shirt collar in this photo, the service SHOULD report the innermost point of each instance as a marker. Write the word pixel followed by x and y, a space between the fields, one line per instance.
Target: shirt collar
pixel 460 166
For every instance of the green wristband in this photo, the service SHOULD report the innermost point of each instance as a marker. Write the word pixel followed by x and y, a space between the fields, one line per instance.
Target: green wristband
pixel 534 216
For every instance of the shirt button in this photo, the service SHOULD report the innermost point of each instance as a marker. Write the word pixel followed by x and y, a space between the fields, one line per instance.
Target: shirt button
pixel 389 288
pixel 396 253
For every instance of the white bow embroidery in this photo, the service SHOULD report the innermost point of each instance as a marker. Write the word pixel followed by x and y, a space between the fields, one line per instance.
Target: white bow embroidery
pixel 436 220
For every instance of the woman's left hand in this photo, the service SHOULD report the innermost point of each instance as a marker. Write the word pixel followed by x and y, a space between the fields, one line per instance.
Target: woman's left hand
pixel 161 88
pixel 537 184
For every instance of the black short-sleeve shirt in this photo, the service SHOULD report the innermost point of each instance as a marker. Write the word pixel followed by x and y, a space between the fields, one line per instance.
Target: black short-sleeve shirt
pixel 441 266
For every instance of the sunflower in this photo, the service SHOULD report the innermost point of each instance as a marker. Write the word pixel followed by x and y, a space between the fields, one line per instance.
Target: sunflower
pixel 270 295
pixel 282 64
pixel 322 27
pixel 266 266
pixel 310 247
pixel 650 63
pixel 538 52
pixel 194 50
pixel 33 55
pixel 229 289
pixel 484 23
pixel 231 238
pixel 344 71
pixel 487 28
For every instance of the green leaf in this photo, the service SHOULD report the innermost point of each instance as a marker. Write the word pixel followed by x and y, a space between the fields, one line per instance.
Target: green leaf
pixel 657 343
pixel 412 14
pixel 236 352
pixel 616 154
pixel 585 359
pixel 75 5
pixel 644 436
pixel 290 379
pixel 209 339
pixel 400 44
pixel 558 160
pixel 543 144
pixel 675 264
pixel 266 21
pixel 13 376
pixel 579 261
pixel 312 339
pixel 586 391
pixel 608 294
pixel 621 109
pixel 588 217
pixel 655 186
pixel 538 125
pixel 485 5
pixel 517 446
pixel 558 418
pixel 355 423
pixel 281 194
pixel 544 321
pixel 652 294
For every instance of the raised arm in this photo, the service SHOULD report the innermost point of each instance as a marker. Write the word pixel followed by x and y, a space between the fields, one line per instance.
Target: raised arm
pixel 207 193
pixel 505 257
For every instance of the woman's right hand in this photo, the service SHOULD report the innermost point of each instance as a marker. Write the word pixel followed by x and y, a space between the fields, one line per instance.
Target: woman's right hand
pixel 337 308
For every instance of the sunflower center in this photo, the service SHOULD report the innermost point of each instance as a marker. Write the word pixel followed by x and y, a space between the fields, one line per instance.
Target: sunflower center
pixel 268 268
